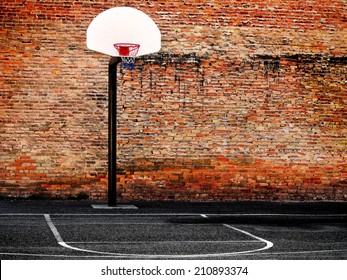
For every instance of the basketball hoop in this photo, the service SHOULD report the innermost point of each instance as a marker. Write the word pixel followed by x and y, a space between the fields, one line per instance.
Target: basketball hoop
pixel 127 53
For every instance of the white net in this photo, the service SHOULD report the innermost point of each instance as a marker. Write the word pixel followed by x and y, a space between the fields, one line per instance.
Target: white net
pixel 128 62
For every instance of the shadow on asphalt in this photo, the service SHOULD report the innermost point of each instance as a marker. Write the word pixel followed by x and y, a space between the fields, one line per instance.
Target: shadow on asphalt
pixel 278 220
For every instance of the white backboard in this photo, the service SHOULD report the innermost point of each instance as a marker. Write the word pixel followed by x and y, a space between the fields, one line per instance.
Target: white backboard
pixel 123 25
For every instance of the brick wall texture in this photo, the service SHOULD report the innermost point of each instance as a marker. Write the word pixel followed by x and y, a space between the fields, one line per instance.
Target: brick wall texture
pixel 247 100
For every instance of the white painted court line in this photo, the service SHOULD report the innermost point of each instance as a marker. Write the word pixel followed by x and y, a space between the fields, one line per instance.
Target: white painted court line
pixel 44 255
pixel 60 239
pixel 121 223
pixel 166 242
pixel 99 214
pixel 108 256
pixel 53 228
pixel 268 243
pixel 62 243
pixel 300 252
pixel 112 255
pixel 181 214
pixel 132 223
pixel 273 215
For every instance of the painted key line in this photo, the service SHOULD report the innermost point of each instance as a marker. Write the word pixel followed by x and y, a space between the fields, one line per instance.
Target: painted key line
pixel 61 242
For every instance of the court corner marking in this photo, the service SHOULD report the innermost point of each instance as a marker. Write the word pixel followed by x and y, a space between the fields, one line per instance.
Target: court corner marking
pixel 268 243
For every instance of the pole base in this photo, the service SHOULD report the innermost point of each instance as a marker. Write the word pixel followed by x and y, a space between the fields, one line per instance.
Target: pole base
pixel 119 206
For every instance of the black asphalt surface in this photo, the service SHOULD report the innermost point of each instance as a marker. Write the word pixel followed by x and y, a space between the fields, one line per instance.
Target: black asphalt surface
pixel 173 230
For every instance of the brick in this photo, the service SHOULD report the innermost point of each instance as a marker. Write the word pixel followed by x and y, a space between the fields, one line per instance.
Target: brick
pixel 242 99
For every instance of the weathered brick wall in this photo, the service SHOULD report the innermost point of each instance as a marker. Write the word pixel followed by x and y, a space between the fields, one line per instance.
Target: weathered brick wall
pixel 246 100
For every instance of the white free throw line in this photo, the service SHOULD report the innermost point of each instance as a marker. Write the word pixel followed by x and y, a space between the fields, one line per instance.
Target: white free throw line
pixel 165 242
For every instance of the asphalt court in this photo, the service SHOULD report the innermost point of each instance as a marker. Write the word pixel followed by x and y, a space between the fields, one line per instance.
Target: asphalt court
pixel 161 234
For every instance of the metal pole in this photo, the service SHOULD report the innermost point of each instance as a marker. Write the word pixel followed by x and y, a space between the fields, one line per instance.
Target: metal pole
pixel 112 131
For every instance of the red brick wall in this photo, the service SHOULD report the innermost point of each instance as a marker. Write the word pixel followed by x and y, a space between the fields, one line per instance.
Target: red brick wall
pixel 246 100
